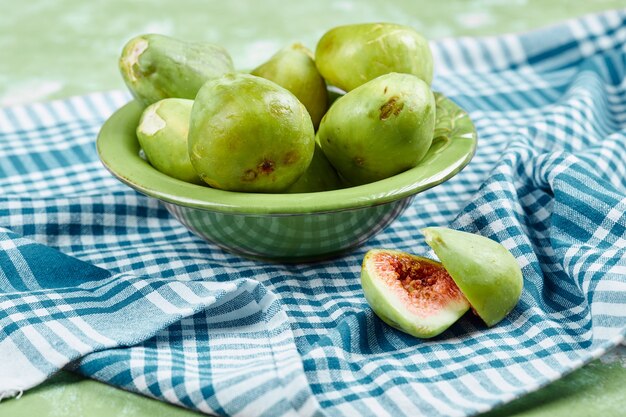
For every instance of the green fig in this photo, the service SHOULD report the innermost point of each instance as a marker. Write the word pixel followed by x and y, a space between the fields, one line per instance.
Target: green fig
pixel 423 297
pixel 351 55
pixel 410 293
pixel 249 134
pixel 162 133
pixel 293 68
pixel 319 176
pixel 379 129
pixel 484 270
pixel 155 67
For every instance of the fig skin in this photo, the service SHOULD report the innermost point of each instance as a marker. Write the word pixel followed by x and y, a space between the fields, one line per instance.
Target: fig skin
pixel 348 56
pixel 249 134
pixel 162 133
pixel 155 67
pixel 293 68
pixel 379 129
pixel 319 176
pixel 423 317
pixel 485 271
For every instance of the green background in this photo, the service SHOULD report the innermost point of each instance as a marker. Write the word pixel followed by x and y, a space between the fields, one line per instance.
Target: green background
pixel 53 49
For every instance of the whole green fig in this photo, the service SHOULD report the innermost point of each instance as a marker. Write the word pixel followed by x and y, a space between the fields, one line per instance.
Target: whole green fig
pixel 319 176
pixel 379 129
pixel 348 56
pixel 162 134
pixel 294 69
pixel 155 67
pixel 247 133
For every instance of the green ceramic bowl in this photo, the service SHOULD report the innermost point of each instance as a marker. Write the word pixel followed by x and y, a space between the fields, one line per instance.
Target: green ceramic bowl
pixel 288 227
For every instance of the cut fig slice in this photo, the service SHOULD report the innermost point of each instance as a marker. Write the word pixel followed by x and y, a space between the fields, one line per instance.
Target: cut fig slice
pixel 413 294
pixel 484 270
pixel 423 297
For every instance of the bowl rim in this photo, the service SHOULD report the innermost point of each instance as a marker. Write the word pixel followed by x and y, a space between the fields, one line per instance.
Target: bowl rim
pixel 118 150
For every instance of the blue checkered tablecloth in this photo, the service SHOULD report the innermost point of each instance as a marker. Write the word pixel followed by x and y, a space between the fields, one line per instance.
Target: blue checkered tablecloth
pixel 101 280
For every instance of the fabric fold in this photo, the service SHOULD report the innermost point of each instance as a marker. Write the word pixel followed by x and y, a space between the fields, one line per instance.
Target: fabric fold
pixel 58 310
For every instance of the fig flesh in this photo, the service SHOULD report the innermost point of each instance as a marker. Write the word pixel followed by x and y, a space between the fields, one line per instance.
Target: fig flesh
pixel 350 55
pixel 484 270
pixel 379 129
pixel 294 69
pixel 249 134
pixel 155 67
pixel 413 294
pixel 162 133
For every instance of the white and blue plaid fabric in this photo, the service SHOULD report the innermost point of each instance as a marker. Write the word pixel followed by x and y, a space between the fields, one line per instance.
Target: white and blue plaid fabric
pixel 101 280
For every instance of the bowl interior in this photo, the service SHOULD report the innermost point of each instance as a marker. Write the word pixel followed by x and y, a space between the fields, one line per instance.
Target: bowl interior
pixel 453 146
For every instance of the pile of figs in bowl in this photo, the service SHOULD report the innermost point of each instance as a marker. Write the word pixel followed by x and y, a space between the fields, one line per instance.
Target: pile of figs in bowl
pixel 303 158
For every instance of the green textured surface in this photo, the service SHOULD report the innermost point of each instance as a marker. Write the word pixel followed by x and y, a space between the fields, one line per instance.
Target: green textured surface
pixel 53 49
pixel 69 395
pixel 64 47
pixel 595 390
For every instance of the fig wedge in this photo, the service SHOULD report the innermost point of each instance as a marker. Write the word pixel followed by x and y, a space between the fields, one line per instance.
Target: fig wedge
pixel 413 294
pixel 423 297
pixel 484 270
